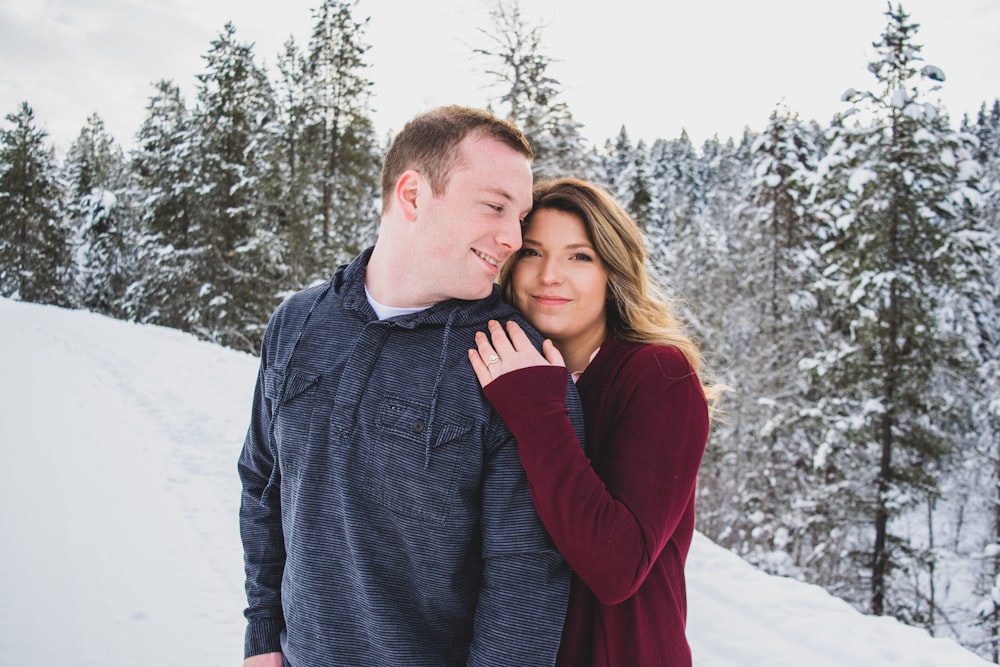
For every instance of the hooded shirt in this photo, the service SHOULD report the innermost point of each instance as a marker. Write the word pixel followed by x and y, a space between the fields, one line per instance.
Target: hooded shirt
pixel 385 516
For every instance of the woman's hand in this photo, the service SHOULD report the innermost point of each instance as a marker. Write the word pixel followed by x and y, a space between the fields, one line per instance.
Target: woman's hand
pixel 499 354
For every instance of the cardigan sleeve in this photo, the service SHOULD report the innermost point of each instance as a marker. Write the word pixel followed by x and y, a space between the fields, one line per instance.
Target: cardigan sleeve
pixel 611 525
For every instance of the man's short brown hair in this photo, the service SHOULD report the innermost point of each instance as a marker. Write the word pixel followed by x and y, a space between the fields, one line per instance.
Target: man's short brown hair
pixel 429 144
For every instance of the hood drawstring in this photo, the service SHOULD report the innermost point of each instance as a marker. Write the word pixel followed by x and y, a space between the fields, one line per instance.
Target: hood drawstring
pixel 281 364
pixel 442 360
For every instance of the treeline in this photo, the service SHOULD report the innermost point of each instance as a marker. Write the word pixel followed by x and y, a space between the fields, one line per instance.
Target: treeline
pixel 842 278
pixel 255 190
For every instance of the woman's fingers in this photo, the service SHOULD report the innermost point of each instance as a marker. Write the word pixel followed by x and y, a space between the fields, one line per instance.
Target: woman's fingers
pixel 501 342
pixel 552 354
pixel 484 358
pixel 487 353
pixel 506 349
pixel 479 368
pixel 519 340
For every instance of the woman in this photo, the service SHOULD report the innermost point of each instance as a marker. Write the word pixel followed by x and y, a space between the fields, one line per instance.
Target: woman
pixel 621 513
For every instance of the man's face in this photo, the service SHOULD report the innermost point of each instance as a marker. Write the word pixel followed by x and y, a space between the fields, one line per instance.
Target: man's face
pixel 468 232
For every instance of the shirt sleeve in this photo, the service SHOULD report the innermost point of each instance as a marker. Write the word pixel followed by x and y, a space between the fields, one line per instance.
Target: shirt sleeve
pixel 525 585
pixel 611 528
pixel 260 523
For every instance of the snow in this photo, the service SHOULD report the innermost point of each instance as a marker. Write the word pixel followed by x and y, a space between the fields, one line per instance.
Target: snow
pixel 120 541
pixel 932 72
pixel 860 178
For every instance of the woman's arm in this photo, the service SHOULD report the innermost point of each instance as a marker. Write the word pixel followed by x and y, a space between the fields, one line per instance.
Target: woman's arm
pixel 612 527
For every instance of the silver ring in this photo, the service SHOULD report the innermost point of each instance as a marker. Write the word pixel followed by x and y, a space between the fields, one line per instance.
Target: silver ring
pixel 492 360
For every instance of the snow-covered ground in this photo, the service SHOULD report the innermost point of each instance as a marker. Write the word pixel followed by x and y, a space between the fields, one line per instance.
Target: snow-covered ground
pixel 119 544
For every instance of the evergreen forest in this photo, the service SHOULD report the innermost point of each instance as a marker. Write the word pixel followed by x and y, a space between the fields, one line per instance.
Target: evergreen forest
pixel 843 278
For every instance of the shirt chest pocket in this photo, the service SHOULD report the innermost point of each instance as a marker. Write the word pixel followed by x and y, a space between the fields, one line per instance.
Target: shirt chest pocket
pixel 292 397
pixel 418 467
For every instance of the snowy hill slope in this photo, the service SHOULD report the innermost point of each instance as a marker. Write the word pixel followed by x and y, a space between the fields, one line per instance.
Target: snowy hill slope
pixel 118 534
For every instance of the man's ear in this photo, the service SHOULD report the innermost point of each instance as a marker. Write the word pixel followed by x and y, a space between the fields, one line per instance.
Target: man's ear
pixel 407 193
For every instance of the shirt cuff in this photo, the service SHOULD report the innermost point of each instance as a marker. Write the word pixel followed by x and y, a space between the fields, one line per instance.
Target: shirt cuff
pixel 527 388
pixel 263 636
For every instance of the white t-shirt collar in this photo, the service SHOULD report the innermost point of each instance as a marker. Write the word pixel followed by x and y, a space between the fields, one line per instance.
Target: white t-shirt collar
pixel 384 312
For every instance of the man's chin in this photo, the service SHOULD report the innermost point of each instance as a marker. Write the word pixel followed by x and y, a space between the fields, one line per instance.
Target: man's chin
pixel 476 295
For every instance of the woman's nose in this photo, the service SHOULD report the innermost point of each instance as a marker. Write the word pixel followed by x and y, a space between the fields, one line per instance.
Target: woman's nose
pixel 551 274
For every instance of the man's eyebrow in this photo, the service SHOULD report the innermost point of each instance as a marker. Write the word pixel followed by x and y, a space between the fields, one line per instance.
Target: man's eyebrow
pixel 499 192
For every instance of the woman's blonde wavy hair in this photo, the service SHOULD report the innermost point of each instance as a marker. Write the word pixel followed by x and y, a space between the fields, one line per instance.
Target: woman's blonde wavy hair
pixel 638 310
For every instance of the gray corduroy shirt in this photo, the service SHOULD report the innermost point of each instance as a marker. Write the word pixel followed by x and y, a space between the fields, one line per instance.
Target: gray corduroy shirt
pixel 385 516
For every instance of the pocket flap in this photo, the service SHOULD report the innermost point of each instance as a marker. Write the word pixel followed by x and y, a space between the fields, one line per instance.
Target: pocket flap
pixel 293 380
pixel 451 431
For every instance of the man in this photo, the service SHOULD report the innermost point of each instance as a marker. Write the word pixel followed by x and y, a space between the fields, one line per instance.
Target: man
pixel 385 517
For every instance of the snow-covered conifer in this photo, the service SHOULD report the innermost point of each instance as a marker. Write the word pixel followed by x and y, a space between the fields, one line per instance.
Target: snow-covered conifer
pixel 36 260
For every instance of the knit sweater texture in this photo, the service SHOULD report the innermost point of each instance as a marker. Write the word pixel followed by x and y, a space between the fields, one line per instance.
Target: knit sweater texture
pixel 385 516
pixel 622 510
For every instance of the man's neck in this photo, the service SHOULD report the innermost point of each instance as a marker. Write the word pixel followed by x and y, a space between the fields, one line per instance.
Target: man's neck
pixel 388 283
pixel 384 311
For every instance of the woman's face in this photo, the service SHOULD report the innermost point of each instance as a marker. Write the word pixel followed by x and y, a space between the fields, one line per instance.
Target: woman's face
pixel 559 282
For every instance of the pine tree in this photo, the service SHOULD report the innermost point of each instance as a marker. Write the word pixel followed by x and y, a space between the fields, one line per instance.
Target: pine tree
pixel 238 282
pixel 761 474
pixel 688 246
pixel 163 164
pixel 339 139
pixel 624 169
pixel 708 250
pixel 893 196
pixel 530 96
pixel 983 298
pixel 784 157
pixel 676 184
pixel 98 209
pixel 35 249
pixel 297 202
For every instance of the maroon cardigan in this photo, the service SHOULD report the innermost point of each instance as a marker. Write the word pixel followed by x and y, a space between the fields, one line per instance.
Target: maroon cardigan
pixel 622 514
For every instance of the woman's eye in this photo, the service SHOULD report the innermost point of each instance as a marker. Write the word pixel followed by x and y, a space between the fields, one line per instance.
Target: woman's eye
pixel 582 257
pixel 527 252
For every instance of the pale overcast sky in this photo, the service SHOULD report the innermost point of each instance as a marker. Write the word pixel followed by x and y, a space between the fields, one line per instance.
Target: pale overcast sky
pixel 710 67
